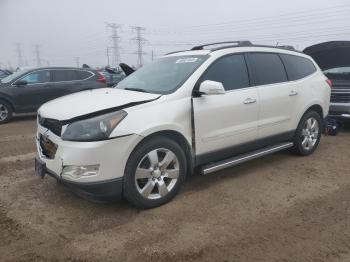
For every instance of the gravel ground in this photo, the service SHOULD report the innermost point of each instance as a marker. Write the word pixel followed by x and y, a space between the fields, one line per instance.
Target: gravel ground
pixel 277 208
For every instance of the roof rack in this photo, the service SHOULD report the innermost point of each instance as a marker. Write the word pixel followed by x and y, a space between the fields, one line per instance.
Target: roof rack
pixel 237 43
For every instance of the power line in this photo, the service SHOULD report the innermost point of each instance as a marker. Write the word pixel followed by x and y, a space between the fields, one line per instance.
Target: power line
pixel 37 55
pixel 140 40
pixel 115 40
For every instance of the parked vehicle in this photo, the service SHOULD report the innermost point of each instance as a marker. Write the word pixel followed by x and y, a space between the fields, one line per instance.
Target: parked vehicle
pixel 207 108
pixel 4 73
pixel 112 77
pixel 334 59
pixel 26 90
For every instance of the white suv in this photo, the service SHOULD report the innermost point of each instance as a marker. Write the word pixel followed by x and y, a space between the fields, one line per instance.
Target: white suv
pixel 207 108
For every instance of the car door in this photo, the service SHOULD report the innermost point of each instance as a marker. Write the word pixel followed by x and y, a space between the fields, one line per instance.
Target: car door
pixel 225 122
pixel 29 96
pixel 277 96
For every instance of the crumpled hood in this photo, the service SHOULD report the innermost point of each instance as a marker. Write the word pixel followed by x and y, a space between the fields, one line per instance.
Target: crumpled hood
pixel 330 54
pixel 92 101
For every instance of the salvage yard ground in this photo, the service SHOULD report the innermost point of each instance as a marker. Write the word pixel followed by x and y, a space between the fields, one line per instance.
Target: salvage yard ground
pixel 277 208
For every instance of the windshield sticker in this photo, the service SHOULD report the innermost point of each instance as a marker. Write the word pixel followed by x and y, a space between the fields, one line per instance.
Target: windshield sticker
pixel 186 60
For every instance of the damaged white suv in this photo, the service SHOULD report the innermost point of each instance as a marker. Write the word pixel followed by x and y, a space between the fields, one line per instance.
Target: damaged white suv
pixel 206 108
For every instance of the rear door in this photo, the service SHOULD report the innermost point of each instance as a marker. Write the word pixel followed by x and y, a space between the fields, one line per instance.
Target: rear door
pixel 277 96
pixel 223 122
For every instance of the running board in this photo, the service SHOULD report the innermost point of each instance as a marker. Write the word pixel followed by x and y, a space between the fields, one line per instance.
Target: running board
pixel 243 158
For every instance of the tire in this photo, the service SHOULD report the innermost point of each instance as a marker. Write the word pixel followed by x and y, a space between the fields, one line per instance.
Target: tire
pixel 308 134
pixel 154 173
pixel 6 112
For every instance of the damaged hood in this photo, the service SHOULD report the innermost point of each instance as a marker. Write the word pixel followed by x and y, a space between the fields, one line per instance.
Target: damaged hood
pixel 92 101
pixel 330 54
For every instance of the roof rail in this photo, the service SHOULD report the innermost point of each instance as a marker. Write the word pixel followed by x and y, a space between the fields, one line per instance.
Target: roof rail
pixel 288 47
pixel 237 43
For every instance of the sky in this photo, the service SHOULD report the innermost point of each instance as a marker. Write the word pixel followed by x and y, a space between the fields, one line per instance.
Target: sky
pixel 73 32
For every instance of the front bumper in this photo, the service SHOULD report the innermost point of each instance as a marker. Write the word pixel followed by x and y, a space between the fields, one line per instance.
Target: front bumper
pixel 110 155
pixel 110 190
pixel 340 111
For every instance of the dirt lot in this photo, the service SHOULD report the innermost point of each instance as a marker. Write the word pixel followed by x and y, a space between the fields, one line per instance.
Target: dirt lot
pixel 278 208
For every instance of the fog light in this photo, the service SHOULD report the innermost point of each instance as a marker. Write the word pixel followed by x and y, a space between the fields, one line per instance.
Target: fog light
pixel 76 172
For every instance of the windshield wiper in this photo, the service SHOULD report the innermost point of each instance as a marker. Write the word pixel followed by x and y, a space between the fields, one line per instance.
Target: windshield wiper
pixel 136 89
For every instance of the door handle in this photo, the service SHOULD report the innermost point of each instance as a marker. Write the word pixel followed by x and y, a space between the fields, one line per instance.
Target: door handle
pixel 249 101
pixel 293 93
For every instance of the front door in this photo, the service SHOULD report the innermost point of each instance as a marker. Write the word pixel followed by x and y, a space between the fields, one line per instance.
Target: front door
pixel 225 122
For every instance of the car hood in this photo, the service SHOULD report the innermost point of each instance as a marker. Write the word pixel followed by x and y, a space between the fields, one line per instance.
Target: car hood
pixel 330 54
pixel 92 102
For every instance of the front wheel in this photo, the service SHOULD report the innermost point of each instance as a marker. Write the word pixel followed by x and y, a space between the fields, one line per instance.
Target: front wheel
pixel 154 173
pixel 5 112
pixel 308 134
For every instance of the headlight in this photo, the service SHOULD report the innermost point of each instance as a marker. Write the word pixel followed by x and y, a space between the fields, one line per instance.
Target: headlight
pixel 93 129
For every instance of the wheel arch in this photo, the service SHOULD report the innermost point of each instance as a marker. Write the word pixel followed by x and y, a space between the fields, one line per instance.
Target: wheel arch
pixel 178 138
pixel 9 102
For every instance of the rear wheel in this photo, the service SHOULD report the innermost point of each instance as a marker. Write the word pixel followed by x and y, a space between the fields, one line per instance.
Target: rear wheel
pixel 154 173
pixel 308 134
pixel 5 112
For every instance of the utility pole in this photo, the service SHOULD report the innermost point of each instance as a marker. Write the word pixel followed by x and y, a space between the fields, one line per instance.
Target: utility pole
pixel 37 55
pixel 140 40
pixel 19 54
pixel 107 53
pixel 77 61
pixel 115 40
pixel 152 55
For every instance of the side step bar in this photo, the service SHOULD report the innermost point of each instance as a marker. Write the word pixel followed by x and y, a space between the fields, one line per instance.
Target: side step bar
pixel 243 158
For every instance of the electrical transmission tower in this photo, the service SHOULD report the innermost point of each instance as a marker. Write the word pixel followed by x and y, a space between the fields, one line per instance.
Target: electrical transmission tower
pixel 37 55
pixel 19 54
pixel 115 40
pixel 77 61
pixel 140 40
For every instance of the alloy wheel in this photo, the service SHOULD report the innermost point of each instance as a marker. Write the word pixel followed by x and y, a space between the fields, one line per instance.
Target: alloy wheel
pixel 157 173
pixel 3 112
pixel 310 133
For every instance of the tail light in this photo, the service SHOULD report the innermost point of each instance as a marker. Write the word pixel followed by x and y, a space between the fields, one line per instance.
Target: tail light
pixel 101 78
pixel 329 82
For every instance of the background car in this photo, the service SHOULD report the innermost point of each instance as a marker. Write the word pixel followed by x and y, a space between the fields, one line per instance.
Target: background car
pixel 4 73
pixel 25 91
pixel 334 59
pixel 112 77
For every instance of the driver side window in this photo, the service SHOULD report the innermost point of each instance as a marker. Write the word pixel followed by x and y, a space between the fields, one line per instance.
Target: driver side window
pixel 229 70
pixel 37 77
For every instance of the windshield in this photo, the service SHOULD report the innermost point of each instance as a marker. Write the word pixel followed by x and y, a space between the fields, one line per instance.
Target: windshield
pixel 9 78
pixel 164 75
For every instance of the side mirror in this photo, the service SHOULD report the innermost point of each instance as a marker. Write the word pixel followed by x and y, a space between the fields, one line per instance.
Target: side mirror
pixel 208 87
pixel 21 83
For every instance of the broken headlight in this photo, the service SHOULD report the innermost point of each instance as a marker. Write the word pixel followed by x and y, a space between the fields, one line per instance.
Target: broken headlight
pixel 93 129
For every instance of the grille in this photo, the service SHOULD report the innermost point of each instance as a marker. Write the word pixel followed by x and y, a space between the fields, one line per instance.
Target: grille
pixel 48 148
pixel 340 95
pixel 53 125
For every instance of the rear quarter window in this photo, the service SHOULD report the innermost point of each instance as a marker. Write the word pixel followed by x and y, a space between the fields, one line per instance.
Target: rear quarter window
pixel 297 67
pixel 82 75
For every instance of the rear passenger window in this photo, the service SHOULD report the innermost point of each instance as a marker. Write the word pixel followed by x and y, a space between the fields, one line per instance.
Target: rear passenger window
pixel 81 75
pixel 297 67
pixel 231 71
pixel 64 75
pixel 268 68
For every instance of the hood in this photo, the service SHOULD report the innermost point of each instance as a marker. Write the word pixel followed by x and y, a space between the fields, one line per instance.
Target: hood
pixel 330 54
pixel 92 101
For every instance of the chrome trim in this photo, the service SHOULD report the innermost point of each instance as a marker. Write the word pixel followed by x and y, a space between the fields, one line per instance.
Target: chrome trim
pixel 237 161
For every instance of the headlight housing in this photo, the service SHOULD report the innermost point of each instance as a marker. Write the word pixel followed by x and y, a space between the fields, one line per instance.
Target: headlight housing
pixel 93 129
